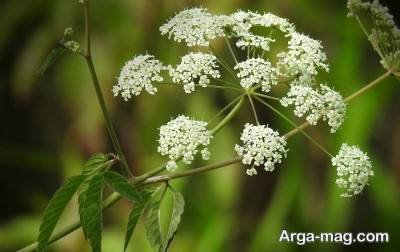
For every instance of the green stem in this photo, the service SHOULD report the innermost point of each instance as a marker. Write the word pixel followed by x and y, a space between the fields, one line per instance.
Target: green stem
pixel 253 108
pixel 374 45
pixel 222 61
pixel 95 80
pixel 150 173
pixel 347 99
pixel 231 84
pixel 87 27
pixel 267 96
pixel 297 130
pixel 225 108
pixel 109 125
pixel 231 50
pixel 181 174
pixel 197 85
pixel 296 126
pixel 368 86
pixel 227 118
pixel 224 87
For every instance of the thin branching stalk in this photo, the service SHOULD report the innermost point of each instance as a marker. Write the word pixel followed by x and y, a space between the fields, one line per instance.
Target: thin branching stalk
pixel 267 96
pixel 227 118
pixel 231 84
pixel 315 142
pixel 191 172
pixel 253 108
pixel 224 109
pixel 208 85
pixel 95 80
pixel 222 61
pixel 368 86
pixel 231 50
pixel 347 99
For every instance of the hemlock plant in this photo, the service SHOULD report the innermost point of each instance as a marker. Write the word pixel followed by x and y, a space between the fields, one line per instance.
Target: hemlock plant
pixel 185 138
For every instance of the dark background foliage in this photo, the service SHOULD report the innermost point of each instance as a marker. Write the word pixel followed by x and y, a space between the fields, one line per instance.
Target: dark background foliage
pixel 51 124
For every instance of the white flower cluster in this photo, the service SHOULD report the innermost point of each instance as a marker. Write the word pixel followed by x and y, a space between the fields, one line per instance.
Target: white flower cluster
pixel 324 103
pixel 353 170
pixel 304 57
pixel 381 15
pixel 257 71
pixel 68 42
pixel 384 34
pixel 195 68
pixel 261 146
pixel 68 31
pixel 72 45
pixel 194 26
pixel 138 74
pixel 355 6
pixel 242 22
pixel 181 138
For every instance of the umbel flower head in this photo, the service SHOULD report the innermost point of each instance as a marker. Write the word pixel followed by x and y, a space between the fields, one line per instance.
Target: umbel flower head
pixel 195 68
pixel 383 33
pixel 303 58
pixel 261 145
pixel 241 23
pixel 181 138
pixel 353 169
pixel 257 71
pixel 324 103
pixel 194 26
pixel 138 74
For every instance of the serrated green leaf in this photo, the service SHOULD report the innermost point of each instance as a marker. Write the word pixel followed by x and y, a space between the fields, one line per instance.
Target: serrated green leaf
pixel 55 208
pixel 51 58
pixel 81 203
pixel 95 162
pixel 179 206
pixel 121 185
pixel 92 211
pixel 91 168
pixel 134 216
pixel 152 225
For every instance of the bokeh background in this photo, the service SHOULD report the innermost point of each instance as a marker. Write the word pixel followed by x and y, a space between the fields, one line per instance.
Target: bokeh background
pixel 51 124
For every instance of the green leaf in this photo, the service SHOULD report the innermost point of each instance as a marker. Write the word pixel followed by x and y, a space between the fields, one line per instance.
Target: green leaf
pixel 121 185
pixel 134 216
pixel 179 206
pixel 92 167
pixel 95 162
pixel 51 58
pixel 91 216
pixel 55 208
pixel 81 203
pixel 152 225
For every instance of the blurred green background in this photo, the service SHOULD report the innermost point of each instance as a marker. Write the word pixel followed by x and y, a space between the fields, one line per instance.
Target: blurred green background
pixel 51 124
